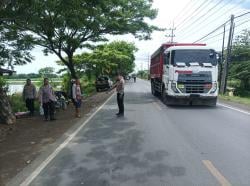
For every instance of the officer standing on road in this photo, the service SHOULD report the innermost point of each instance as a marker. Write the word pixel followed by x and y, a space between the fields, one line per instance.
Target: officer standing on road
pixel 119 85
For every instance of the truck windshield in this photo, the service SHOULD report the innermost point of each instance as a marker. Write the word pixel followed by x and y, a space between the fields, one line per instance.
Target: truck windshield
pixel 191 56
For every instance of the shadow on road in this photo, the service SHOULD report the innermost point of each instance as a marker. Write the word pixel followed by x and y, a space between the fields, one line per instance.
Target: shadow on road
pixel 116 155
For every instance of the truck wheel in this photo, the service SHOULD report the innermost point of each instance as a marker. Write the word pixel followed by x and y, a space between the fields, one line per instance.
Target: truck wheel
pixel 152 89
pixel 164 97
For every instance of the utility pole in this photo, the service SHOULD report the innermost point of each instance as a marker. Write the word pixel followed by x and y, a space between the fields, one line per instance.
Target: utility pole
pixel 172 33
pixel 222 59
pixel 228 58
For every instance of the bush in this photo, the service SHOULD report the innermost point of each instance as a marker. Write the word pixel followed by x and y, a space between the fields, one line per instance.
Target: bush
pixel 241 92
pixel 89 89
pixel 3 84
pixel 18 104
pixel 234 83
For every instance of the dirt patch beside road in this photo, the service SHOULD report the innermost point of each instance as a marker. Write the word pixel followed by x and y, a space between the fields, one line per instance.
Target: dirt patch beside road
pixel 22 143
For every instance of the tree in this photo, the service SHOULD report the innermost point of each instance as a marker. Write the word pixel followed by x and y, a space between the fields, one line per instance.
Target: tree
pixel 143 74
pixel 46 72
pixel 14 50
pixel 63 26
pixel 108 59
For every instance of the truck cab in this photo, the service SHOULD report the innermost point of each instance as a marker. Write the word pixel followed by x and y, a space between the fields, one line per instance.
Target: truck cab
pixel 187 74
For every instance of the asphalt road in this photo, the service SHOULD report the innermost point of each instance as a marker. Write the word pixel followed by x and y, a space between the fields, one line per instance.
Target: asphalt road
pixel 154 145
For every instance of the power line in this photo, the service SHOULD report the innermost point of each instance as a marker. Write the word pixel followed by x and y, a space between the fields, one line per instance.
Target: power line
pixel 242 30
pixel 202 16
pixel 218 40
pixel 243 22
pixel 242 15
pixel 210 32
pixel 201 5
pixel 215 41
pixel 215 36
pixel 182 11
pixel 227 11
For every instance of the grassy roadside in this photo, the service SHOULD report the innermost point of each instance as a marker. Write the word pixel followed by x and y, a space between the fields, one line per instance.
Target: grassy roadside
pixel 236 99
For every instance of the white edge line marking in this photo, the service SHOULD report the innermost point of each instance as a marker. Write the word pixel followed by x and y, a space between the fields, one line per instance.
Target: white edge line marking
pixel 38 170
pixel 220 178
pixel 232 108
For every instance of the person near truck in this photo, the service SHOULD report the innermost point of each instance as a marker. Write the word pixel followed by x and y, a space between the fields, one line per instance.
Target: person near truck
pixel 29 95
pixel 47 99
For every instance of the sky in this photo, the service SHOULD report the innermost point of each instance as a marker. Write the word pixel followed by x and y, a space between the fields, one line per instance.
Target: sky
pixel 191 19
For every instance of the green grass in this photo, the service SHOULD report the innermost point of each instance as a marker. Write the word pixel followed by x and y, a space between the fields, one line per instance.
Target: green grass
pixel 18 104
pixel 236 99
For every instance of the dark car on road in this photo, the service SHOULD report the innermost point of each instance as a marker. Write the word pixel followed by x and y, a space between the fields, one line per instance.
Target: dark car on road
pixel 103 82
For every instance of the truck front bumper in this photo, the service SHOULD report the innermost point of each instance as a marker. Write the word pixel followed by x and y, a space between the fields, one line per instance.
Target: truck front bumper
pixel 192 99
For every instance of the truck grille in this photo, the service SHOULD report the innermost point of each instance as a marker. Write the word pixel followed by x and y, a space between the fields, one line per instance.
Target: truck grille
pixel 197 88
pixel 194 88
pixel 196 83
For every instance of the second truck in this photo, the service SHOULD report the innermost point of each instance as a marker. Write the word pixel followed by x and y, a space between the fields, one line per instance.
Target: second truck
pixel 183 73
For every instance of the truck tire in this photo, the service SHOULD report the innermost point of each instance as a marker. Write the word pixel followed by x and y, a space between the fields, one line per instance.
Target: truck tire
pixel 164 97
pixel 153 90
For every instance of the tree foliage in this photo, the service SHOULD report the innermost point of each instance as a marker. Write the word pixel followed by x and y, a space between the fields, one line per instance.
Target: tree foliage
pixel 241 47
pixel 14 47
pixel 63 26
pixel 47 72
pixel 240 67
pixel 109 59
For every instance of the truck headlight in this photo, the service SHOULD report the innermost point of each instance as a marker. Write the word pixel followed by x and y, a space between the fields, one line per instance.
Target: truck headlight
pixel 214 88
pixel 180 86
pixel 173 87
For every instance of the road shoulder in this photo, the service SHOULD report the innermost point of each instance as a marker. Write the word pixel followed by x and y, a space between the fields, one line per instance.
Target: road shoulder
pixel 32 139
pixel 235 105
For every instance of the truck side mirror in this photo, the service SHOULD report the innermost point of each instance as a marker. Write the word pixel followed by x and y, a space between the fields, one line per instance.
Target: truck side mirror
pixel 166 58
pixel 218 57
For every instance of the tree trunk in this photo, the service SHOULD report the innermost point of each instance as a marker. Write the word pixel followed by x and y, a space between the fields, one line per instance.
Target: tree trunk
pixel 6 114
pixel 71 67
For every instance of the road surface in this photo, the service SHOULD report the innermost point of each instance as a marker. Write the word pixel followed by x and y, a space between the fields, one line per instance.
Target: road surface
pixel 153 145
